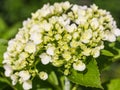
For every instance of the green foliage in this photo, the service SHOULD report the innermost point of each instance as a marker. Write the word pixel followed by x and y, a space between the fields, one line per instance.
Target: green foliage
pixel 11 31
pixel 91 77
pixel 114 84
pixel 5 80
pixel 3 46
pixel 53 78
pixel 107 53
pixel 2 26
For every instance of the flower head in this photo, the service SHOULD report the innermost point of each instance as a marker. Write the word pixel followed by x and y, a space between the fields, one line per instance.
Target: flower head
pixel 60 35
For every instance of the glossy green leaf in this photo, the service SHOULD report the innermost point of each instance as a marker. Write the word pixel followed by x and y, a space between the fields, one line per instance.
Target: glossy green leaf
pixel 89 78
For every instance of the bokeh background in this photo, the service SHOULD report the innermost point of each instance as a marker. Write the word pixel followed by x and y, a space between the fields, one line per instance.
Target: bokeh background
pixel 13 12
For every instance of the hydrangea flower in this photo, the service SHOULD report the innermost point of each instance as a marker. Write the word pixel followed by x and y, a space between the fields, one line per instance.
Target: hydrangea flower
pixel 27 85
pixel 61 35
pixel 43 75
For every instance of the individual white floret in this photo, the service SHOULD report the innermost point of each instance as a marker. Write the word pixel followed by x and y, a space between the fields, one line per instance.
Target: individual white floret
pixel 30 47
pixel 108 17
pixel 75 8
pixel 94 23
pixel 11 45
pixel 58 8
pixel 26 22
pixel 81 20
pixel 6 55
pixel 95 52
pixel 109 36
pixel 45 11
pixel 83 7
pixel 35 28
pixel 47 26
pixel 45 59
pixel 116 32
pixel 86 36
pixel 70 28
pixel 67 55
pixel 79 66
pixel 58 37
pixel 94 7
pixel 52 9
pixel 74 44
pixel 53 20
pixel 36 37
pixel 63 21
pixel 66 5
pixel 43 75
pixel 35 15
pixel 86 51
pixel 27 85
pixel 50 50
pixel 81 12
pixel 102 12
pixel 24 75
pixel 7 58
pixel 75 35
pixel 14 79
pixel 8 70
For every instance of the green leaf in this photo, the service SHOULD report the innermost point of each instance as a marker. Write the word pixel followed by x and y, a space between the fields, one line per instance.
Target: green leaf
pixel 62 81
pixel 3 46
pixel 106 53
pixel 114 84
pixel 5 80
pixel 53 78
pixel 88 78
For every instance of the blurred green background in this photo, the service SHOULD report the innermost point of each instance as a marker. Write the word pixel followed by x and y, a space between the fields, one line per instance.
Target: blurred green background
pixel 13 12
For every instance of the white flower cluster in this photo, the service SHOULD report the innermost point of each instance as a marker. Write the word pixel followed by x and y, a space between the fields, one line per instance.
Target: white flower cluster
pixel 62 34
